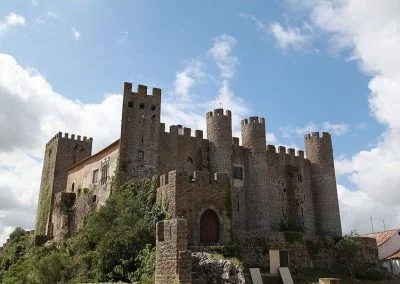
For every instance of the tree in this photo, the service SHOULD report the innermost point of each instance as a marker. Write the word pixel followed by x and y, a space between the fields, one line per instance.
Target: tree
pixel 348 249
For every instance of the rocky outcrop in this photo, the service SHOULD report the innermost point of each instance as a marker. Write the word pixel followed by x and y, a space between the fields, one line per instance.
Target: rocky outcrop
pixel 214 270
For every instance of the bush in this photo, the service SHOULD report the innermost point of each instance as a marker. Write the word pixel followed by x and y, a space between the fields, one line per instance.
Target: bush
pixel 370 274
pixel 114 243
pixel 293 236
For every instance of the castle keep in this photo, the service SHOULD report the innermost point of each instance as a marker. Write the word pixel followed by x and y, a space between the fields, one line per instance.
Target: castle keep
pixel 211 188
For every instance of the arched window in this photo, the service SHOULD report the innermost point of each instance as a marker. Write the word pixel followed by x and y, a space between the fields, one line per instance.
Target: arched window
pixel 209 227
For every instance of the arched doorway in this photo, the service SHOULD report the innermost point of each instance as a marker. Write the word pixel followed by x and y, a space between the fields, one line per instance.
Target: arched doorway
pixel 209 227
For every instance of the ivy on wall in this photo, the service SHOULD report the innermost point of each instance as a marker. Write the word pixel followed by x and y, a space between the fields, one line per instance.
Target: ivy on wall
pixel 43 211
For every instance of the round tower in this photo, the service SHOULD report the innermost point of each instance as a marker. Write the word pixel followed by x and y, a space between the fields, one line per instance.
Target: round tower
pixel 326 206
pixel 256 195
pixel 253 133
pixel 219 133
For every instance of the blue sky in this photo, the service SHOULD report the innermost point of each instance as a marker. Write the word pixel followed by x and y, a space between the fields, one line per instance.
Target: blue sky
pixel 303 65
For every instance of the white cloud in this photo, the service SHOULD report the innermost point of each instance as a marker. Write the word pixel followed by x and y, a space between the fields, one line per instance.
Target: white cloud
pixel 370 32
pixel 221 51
pixel 286 38
pixel 187 78
pixel 35 2
pixel 260 24
pixel 357 208
pixel 337 129
pixel 187 108
pixel 53 15
pixel 123 35
pixel 333 128
pixel 76 35
pixel 48 15
pixel 271 138
pixel 10 21
pixel 290 37
pixel 41 113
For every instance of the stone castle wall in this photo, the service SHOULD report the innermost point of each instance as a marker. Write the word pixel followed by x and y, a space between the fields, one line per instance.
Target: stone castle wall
pixel 276 187
pixel 320 153
pixel 173 259
pixel 61 153
pixel 184 195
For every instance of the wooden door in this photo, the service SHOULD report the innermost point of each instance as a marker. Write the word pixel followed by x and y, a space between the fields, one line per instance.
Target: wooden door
pixel 209 227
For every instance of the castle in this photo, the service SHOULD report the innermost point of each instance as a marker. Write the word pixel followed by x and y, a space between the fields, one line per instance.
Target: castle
pixel 211 188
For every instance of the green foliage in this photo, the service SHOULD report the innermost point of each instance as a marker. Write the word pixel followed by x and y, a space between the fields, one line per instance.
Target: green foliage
pixel 228 204
pixel 347 250
pixel 116 244
pixel 147 264
pixel 293 236
pixel 370 274
pixel 290 224
pixel 43 210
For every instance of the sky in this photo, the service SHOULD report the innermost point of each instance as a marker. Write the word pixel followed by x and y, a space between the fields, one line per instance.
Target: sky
pixel 310 65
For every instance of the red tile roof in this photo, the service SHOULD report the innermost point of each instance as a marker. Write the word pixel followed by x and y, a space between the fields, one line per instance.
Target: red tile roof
pixel 98 156
pixel 382 237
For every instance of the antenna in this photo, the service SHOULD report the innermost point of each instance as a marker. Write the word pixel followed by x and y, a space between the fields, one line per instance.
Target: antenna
pixel 220 105
pixel 384 226
pixel 372 224
pixel 355 224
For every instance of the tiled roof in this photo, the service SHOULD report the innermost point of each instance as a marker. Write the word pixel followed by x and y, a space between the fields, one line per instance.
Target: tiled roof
pixel 395 255
pixel 105 151
pixel 382 237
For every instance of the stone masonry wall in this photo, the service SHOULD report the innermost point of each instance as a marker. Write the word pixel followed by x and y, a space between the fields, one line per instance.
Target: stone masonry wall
pixel 238 188
pixel 219 133
pixel 178 150
pixel 319 152
pixel 173 259
pixel 140 128
pixel 188 196
pixel 63 207
pixel 61 153
pixel 289 183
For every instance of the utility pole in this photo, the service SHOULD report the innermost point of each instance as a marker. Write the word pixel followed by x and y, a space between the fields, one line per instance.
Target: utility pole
pixel 372 224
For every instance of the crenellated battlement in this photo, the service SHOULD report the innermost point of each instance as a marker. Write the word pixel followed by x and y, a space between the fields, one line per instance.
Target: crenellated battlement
pixel 219 112
pixel 317 135
pixel 141 90
pixel 285 151
pixel 253 119
pixel 182 131
pixel 73 137
pixel 196 177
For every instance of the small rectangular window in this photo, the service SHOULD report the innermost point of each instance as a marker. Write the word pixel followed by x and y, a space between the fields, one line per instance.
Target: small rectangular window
pixel 141 155
pixel 237 173
pixel 153 107
pixel 95 176
pixel 141 106
pixel 104 173
pixel 130 104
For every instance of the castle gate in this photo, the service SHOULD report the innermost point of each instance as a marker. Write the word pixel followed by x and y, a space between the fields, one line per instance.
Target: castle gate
pixel 209 227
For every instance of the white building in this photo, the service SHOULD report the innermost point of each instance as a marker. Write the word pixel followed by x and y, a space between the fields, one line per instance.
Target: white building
pixel 388 243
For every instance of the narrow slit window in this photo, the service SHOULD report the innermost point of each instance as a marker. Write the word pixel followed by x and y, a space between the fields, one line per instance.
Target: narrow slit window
pixel 141 155
pixel 299 177
pixel 141 106
pixel 153 107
